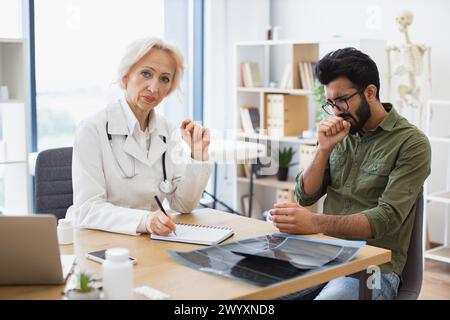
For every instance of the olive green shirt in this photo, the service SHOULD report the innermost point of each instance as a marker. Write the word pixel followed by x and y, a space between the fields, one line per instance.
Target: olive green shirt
pixel 379 174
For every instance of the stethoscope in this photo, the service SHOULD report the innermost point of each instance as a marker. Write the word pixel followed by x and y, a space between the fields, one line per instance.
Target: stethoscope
pixel 165 186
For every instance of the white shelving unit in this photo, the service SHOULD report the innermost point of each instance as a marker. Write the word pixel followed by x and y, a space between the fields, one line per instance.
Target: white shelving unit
pixel 441 253
pixel 15 183
pixel 272 57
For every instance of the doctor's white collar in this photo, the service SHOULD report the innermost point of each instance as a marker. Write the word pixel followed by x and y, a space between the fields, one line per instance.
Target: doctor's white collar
pixel 119 125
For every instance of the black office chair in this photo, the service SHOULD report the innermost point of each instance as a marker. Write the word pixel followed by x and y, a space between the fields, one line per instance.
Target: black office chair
pixel 53 174
pixel 412 274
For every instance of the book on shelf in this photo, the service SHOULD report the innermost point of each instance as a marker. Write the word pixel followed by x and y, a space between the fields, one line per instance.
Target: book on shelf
pixel 250 119
pixel 306 73
pixel 286 79
pixel 255 119
pixel 250 75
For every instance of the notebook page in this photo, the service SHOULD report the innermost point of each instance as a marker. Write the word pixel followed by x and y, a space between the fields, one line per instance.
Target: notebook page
pixel 197 234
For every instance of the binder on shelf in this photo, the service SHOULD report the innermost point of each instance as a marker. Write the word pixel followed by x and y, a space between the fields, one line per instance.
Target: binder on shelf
pixel 287 115
pixel 306 155
pixel 285 196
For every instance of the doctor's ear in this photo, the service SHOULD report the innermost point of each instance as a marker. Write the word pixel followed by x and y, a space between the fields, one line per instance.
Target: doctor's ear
pixel 125 81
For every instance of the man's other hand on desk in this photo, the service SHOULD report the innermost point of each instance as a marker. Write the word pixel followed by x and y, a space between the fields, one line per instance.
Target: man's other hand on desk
pixel 293 218
pixel 159 223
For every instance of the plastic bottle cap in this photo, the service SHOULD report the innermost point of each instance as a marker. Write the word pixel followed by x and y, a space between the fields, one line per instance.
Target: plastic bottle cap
pixel 65 222
pixel 117 254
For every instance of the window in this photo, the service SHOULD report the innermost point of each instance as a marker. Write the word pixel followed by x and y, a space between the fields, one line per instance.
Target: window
pixel 78 45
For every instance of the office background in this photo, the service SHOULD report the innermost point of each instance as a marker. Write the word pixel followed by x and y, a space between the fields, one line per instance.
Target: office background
pixel 67 52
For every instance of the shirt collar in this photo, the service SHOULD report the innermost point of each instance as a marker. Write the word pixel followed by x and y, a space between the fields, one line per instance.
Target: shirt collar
pixel 388 123
pixel 157 124
pixel 131 120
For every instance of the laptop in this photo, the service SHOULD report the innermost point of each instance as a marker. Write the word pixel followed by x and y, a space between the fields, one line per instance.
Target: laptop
pixel 29 251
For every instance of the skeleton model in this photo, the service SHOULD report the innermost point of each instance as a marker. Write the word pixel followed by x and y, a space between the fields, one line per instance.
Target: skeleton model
pixel 407 60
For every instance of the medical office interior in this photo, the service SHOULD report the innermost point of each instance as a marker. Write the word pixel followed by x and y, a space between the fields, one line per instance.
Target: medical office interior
pixel 244 59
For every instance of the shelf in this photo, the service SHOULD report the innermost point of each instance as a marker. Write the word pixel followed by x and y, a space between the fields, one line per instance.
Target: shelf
pixel 439 197
pixel 281 139
pixel 269 182
pixel 441 253
pixel 296 92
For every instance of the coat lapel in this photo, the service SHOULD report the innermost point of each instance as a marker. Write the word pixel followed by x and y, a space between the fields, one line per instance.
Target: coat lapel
pixel 132 148
pixel 157 148
pixel 117 126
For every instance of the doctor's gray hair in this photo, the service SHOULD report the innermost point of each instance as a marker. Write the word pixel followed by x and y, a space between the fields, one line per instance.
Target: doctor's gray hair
pixel 139 48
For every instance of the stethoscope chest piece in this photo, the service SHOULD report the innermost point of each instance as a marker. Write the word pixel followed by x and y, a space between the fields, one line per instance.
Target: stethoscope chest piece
pixel 165 186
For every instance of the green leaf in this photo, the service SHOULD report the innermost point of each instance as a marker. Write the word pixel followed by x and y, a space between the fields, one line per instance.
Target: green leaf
pixel 285 157
pixel 319 100
pixel 84 282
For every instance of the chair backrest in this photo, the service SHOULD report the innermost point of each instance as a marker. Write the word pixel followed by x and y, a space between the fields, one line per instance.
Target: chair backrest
pixel 53 174
pixel 412 274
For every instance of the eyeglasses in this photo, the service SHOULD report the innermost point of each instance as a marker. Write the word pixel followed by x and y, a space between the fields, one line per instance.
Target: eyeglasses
pixel 341 103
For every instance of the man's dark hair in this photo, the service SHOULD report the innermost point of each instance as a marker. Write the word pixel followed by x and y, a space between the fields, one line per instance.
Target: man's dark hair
pixel 356 66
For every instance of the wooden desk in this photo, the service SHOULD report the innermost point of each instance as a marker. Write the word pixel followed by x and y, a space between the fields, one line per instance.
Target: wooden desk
pixel 157 269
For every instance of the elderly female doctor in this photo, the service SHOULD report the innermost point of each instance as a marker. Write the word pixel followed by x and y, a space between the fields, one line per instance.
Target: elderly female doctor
pixel 126 154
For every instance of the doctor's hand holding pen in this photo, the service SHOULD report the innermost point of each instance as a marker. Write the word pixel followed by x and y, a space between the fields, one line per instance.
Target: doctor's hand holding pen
pixel 161 223
pixel 197 138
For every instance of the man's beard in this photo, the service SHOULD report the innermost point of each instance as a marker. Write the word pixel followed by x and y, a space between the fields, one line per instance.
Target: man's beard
pixel 363 114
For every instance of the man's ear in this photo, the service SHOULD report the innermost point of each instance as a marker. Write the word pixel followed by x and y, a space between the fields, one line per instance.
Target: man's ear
pixel 371 92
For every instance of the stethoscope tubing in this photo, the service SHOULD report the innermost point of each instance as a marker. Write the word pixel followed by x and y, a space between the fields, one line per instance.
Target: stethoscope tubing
pixel 134 163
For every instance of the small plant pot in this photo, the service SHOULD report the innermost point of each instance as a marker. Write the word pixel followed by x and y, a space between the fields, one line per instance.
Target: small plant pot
pixel 282 174
pixel 74 294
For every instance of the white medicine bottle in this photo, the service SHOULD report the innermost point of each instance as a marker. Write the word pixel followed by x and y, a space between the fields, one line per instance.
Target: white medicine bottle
pixel 65 231
pixel 117 272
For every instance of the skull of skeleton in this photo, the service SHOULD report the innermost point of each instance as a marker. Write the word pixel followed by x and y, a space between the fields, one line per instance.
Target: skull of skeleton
pixel 404 20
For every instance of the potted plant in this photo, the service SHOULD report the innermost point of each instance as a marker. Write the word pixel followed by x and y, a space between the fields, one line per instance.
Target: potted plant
pixel 284 162
pixel 318 94
pixel 84 289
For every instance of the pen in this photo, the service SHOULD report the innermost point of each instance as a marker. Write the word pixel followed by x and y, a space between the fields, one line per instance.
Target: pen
pixel 162 209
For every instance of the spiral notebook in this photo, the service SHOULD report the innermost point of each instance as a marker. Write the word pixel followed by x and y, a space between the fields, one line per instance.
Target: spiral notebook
pixel 199 234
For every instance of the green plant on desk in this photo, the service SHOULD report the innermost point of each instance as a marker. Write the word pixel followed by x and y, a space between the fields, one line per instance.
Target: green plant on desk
pixel 84 281
pixel 284 162
pixel 84 289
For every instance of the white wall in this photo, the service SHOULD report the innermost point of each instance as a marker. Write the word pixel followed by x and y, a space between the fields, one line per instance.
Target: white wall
pixel 227 21
pixel 324 19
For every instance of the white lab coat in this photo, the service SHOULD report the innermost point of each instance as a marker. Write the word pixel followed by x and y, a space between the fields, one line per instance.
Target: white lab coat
pixel 103 198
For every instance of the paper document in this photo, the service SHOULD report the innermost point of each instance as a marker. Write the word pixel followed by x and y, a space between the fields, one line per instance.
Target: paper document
pixel 198 234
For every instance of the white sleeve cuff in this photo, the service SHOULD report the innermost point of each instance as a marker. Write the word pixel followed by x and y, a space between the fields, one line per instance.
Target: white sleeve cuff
pixel 142 227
